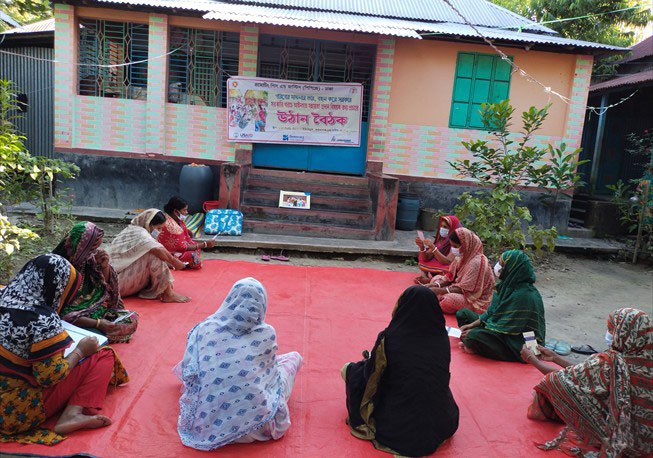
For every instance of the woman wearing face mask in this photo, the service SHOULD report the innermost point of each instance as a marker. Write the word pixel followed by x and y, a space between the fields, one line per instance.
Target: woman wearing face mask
pixel 434 258
pixel 605 402
pixel 143 264
pixel 469 282
pixel 176 237
pixel 516 308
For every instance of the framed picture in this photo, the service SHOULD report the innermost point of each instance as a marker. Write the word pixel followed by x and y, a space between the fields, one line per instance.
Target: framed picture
pixel 289 199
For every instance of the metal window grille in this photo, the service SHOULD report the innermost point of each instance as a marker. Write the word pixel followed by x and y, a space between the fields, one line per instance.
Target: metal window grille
pixel 113 43
pixel 303 59
pixel 201 65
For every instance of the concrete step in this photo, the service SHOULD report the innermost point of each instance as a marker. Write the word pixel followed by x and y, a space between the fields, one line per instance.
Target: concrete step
pixel 579 232
pixel 309 177
pixel 318 201
pixel 311 216
pixel 262 183
pixel 306 230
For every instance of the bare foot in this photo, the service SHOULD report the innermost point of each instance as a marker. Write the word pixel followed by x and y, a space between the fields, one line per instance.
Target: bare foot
pixel 171 296
pixel 465 349
pixel 72 419
pixel 422 280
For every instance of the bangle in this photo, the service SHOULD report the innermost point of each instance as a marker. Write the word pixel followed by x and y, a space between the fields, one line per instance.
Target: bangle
pixel 438 283
pixel 97 325
pixel 447 288
pixel 79 353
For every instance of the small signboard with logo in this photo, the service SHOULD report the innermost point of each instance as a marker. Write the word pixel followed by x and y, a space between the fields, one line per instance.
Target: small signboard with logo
pixel 262 110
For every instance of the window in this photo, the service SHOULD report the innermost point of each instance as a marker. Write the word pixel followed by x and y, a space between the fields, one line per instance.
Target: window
pixel 113 43
pixel 480 78
pixel 202 62
pixel 304 59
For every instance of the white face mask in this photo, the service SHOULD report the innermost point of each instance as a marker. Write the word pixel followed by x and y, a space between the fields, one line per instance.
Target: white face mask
pixel 155 233
pixel 455 251
pixel 497 269
pixel 444 232
pixel 608 338
pixel 181 216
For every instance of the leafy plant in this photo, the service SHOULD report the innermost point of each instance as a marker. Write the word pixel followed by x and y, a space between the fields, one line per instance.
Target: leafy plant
pixel 502 166
pixel 10 236
pixel 621 193
pixel 27 178
pixel 559 175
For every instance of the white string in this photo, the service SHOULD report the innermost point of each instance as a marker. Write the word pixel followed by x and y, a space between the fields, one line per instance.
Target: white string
pixel 522 72
pixel 601 110
pixel 125 64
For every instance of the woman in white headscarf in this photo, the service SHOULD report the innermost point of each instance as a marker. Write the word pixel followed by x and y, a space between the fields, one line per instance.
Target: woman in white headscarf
pixel 143 264
pixel 235 388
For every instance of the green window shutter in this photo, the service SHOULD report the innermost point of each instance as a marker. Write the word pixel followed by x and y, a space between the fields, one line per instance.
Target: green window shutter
pixel 479 78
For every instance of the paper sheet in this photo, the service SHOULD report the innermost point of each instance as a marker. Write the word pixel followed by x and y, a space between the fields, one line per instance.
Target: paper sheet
pixel 453 332
pixel 76 333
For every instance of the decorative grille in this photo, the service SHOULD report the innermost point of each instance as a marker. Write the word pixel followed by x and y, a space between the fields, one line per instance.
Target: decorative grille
pixel 305 59
pixel 200 66
pixel 113 43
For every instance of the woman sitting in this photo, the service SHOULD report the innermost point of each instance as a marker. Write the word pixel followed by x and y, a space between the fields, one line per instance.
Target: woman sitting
pixel 434 258
pixel 516 308
pixel 235 388
pixel 36 380
pixel 98 302
pixel 399 397
pixel 606 402
pixel 142 263
pixel 469 282
pixel 176 237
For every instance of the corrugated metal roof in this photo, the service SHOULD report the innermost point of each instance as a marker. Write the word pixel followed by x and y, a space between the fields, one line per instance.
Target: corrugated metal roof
pixel 629 80
pixel 235 10
pixel 47 25
pixel 640 50
pixel 478 12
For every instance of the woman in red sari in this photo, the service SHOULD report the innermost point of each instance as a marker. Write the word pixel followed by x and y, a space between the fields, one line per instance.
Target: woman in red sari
pixel 434 258
pixel 176 237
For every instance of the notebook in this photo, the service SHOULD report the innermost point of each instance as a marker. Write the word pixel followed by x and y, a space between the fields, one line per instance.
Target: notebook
pixel 76 333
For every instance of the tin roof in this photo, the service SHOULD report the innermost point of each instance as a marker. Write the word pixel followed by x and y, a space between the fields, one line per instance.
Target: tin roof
pixel 46 25
pixel 628 80
pixel 640 50
pixel 402 18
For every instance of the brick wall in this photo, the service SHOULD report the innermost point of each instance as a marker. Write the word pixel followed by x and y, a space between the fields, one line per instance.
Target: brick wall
pixel 579 94
pixel 64 83
pixel 379 109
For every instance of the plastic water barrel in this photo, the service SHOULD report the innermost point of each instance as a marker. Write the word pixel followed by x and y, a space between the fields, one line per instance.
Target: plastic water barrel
pixel 407 211
pixel 196 186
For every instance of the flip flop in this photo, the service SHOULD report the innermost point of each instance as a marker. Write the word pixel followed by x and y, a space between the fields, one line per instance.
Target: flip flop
pixel 562 348
pixel 551 344
pixel 281 257
pixel 584 349
pixel 265 258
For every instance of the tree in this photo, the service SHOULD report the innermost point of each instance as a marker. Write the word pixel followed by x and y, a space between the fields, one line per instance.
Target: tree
pixel 25 11
pixel 597 21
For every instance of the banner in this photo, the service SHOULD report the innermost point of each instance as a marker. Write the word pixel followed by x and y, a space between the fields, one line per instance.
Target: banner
pixel 265 110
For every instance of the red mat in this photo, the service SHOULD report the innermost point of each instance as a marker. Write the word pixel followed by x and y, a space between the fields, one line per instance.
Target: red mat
pixel 329 315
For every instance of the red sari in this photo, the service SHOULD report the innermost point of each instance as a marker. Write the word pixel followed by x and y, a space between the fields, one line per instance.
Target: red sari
pixel 433 266
pixel 176 237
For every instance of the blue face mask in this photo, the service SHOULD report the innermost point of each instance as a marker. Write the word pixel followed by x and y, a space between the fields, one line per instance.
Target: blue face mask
pixel 608 338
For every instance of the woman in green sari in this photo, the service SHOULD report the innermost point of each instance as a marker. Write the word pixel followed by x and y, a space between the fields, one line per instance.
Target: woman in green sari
pixel 98 302
pixel 516 308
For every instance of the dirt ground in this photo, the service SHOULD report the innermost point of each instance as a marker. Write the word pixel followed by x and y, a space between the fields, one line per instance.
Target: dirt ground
pixel 578 292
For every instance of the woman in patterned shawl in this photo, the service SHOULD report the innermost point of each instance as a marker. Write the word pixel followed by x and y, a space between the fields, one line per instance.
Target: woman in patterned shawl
pixel 36 379
pixel 469 283
pixel 606 401
pixel 516 308
pixel 98 301
pixel 235 387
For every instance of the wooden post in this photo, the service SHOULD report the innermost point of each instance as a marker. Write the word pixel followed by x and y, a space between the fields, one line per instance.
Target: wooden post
pixel 647 187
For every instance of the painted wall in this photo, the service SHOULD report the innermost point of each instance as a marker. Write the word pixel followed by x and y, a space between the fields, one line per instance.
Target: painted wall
pixel 409 128
pixel 409 116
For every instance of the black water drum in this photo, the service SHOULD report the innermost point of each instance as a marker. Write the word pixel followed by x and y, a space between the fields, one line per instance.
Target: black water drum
pixel 196 186
pixel 407 211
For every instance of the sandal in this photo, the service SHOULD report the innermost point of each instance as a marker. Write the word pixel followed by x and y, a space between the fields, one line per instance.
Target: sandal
pixel 584 349
pixel 265 258
pixel 281 257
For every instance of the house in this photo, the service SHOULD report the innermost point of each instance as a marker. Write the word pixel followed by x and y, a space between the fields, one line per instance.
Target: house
pixel 26 53
pixel 159 100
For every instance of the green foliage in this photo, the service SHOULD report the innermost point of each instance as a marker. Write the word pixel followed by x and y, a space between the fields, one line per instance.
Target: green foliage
pixel 559 175
pixel 10 236
pixel 621 193
pixel 593 24
pixel 503 165
pixel 512 163
pixel 25 11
